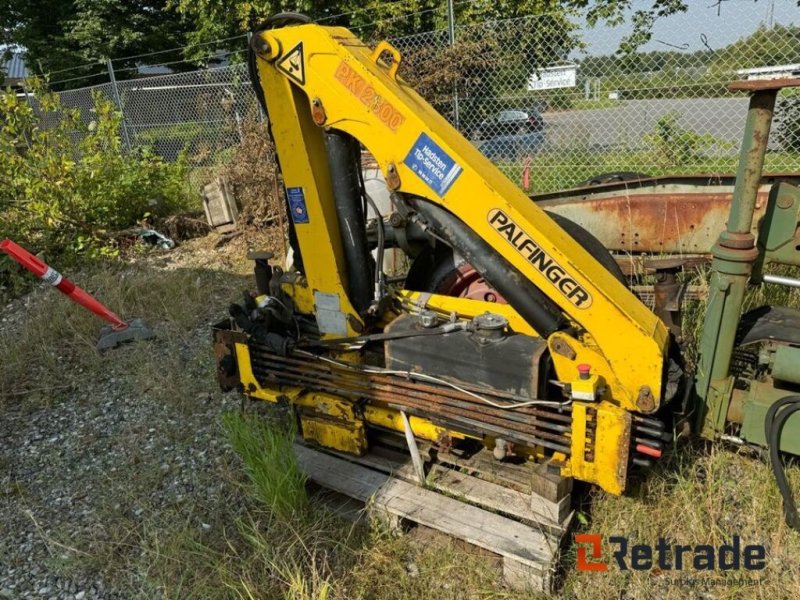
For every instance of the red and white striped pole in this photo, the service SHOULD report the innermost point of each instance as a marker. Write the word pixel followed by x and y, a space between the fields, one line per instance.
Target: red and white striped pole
pixel 61 283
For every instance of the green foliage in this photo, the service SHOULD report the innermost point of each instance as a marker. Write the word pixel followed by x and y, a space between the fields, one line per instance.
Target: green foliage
pixel 63 34
pixel 787 122
pixel 215 19
pixel 86 32
pixel 675 145
pixel 775 46
pixel 67 185
pixel 270 462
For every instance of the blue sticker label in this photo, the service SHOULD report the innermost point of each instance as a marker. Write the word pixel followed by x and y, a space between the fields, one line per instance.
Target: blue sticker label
pixel 432 164
pixel 297 204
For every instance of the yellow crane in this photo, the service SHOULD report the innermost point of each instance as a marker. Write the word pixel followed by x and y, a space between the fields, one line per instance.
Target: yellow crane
pixel 567 366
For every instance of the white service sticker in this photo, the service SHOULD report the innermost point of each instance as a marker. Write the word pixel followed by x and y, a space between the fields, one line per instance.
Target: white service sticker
pixel 52 276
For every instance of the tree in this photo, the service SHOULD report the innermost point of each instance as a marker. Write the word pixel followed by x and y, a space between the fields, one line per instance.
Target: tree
pixel 110 28
pixel 39 28
pixel 64 34
pixel 216 19
pixel 765 47
pixel 219 19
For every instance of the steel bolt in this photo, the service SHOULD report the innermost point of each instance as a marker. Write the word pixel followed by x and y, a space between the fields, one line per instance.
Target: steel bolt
pixel 645 402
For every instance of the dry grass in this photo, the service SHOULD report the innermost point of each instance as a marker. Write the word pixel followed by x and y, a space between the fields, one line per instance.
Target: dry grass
pixel 51 348
pixel 700 494
pixel 703 494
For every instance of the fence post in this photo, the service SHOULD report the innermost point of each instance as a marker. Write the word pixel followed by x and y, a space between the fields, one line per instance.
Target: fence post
pixel 451 35
pixel 27 94
pixel 115 91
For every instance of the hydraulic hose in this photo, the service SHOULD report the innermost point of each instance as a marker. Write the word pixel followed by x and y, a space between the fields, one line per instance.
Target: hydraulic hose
pixel 776 418
pixel 529 301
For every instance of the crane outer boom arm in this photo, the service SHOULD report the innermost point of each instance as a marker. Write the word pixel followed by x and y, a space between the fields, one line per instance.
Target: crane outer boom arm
pixel 316 77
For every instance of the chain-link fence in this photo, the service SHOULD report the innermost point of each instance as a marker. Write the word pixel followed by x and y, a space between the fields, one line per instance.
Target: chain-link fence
pixel 545 92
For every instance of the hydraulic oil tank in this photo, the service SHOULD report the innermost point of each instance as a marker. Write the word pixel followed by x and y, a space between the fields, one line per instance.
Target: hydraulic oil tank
pixel 486 355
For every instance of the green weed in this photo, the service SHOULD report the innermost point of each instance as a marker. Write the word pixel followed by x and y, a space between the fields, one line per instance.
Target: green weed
pixel 270 462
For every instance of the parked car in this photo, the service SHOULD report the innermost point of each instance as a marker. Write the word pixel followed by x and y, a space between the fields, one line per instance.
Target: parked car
pixel 512 148
pixel 510 122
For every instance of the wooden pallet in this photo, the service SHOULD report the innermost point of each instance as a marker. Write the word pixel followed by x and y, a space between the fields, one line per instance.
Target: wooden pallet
pixel 524 528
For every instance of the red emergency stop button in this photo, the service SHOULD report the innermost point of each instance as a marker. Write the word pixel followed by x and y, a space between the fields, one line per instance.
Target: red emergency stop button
pixel 584 370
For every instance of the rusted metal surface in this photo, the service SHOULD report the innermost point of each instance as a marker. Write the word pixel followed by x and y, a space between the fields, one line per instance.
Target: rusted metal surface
pixel 753 85
pixel 662 215
pixel 224 340
pixel 667 296
pixel 654 223
pixel 529 425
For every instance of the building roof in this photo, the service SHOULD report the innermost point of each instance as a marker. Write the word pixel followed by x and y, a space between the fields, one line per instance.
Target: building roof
pixel 15 67
pixel 775 72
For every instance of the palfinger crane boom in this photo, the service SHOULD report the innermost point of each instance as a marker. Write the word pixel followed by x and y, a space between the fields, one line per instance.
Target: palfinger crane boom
pixel 565 366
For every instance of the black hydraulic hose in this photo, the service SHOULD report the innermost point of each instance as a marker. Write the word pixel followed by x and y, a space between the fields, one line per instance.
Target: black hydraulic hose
pixel 776 418
pixel 528 300
pixel 342 152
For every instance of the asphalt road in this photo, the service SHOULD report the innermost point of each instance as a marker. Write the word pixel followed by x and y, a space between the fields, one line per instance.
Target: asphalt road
pixel 626 125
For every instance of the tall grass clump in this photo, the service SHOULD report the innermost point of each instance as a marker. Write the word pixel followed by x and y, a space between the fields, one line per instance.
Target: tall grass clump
pixel 270 462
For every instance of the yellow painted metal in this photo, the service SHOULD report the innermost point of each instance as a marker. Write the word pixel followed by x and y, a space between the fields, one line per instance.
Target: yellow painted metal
pixel 363 97
pixel 250 385
pixel 336 422
pixel 389 418
pixel 329 420
pixel 301 152
pixel 464 308
pixel 608 466
pixel 333 422
pixel 302 295
pixel 334 410
pixel 567 353
pixel 586 389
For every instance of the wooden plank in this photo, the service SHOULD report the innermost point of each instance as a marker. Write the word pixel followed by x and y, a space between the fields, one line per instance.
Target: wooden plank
pixel 522 577
pixel 528 507
pixel 513 540
pixel 510 475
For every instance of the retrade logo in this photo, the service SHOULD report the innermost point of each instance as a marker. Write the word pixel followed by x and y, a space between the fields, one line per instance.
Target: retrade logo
pixel 666 556
pixel 596 544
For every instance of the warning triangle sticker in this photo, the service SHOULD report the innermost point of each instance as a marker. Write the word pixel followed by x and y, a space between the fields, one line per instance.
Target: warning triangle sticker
pixel 293 64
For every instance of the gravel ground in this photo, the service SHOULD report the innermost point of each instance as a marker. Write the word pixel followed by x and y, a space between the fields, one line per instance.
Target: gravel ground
pixel 95 461
pixel 90 475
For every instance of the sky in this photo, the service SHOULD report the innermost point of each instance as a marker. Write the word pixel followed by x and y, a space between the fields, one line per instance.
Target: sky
pixel 736 19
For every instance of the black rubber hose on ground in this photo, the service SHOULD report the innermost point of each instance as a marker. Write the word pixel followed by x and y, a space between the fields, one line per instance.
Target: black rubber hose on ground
pixel 776 418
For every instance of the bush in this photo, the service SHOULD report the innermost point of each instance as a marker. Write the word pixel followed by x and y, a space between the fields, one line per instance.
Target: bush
pixel 68 185
pixel 252 171
pixel 788 123
pixel 677 146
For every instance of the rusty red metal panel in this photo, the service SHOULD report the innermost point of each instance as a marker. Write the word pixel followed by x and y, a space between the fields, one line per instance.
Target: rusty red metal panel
pixel 658 216
pixel 672 223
